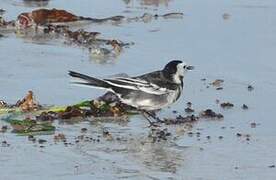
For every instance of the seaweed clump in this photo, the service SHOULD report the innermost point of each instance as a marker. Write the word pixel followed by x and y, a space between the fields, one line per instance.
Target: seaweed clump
pixel 29 126
pixel 209 113
pixel 105 106
pixel 181 120
pixel 226 105
pixel 28 103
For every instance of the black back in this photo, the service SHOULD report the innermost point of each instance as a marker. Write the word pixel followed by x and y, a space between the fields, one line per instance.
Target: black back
pixel 163 78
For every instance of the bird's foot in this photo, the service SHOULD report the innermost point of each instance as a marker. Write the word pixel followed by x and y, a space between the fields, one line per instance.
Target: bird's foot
pixel 153 124
pixel 149 115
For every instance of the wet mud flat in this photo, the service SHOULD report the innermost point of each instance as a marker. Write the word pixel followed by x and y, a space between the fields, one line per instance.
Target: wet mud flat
pixel 224 121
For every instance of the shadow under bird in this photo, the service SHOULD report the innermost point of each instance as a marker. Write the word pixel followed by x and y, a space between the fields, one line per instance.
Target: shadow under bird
pixel 147 92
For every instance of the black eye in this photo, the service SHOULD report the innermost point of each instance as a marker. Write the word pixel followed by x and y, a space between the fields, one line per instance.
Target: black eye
pixel 184 67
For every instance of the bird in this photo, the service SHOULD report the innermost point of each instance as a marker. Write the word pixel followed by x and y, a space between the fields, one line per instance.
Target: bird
pixel 147 92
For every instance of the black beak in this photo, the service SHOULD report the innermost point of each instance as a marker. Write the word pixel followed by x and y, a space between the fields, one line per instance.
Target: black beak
pixel 190 67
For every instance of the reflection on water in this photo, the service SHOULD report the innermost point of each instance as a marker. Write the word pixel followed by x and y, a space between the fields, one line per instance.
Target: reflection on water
pixel 158 157
pixel 38 37
pixel 36 3
pixel 155 2
pixel 135 155
pixel 98 51
pixel 149 2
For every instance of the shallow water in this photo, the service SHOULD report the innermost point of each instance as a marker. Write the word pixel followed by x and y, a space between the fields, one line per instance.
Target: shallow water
pixel 230 40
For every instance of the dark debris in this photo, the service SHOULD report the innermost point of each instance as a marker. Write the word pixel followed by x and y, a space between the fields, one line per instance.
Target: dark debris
pixel 209 113
pixel 244 107
pixel 227 105
pixel 158 135
pixel 250 88
pixel 3 129
pixel 180 120
pixel 189 110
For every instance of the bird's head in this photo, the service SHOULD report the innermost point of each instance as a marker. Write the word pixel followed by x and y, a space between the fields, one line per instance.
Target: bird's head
pixel 175 70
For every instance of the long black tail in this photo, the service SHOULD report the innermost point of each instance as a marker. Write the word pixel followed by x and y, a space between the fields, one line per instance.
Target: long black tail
pixel 82 79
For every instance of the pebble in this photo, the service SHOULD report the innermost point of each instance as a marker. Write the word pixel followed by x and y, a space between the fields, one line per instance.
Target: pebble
pixel 253 125
pixel 244 107
pixel 83 130
pixel 250 88
pixel 42 141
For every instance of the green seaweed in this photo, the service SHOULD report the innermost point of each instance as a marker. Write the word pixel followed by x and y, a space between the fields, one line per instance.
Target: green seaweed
pixel 104 107
pixel 56 109
pixel 7 110
pixel 28 126
pixel 83 104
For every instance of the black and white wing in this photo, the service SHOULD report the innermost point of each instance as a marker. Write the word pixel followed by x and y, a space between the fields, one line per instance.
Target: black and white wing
pixel 122 84
pixel 136 84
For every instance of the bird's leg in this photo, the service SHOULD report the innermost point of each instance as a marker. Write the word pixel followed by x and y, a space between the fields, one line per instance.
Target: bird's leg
pixel 152 114
pixel 147 115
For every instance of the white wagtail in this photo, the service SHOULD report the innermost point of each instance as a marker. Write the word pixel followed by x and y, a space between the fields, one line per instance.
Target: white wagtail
pixel 147 92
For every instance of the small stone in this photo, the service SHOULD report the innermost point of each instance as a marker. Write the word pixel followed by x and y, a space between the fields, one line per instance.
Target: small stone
pixel 227 105
pixel 250 88
pixel 60 137
pixel 189 110
pixel 226 16
pixel 83 130
pixel 238 134
pixel 190 134
pixel 208 113
pixel 217 82
pixel 253 125
pixel 42 141
pixel 31 138
pixel 244 107
pixel 174 111
pixel 189 104
pixel 4 129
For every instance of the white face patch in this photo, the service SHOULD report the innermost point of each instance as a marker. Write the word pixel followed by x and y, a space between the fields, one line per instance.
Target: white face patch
pixel 179 73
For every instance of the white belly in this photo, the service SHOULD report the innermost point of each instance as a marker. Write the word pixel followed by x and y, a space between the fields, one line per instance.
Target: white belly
pixel 153 102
